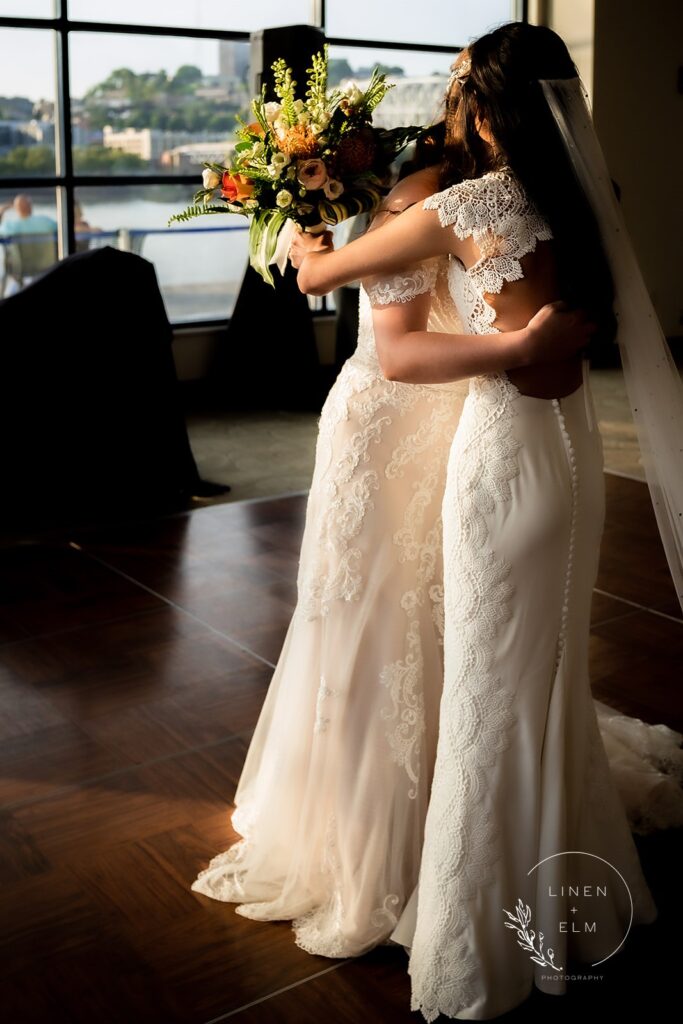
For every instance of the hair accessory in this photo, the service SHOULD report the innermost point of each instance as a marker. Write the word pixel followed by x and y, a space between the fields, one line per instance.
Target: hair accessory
pixel 461 72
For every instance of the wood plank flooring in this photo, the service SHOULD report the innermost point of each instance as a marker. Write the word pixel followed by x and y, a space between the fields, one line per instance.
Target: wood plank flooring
pixel 134 660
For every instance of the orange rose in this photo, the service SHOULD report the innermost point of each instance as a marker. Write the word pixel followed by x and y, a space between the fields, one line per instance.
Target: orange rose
pixel 236 187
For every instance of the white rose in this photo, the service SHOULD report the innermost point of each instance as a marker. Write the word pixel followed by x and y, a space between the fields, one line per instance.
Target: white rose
pixel 210 178
pixel 333 188
pixel 321 122
pixel 353 93
pixel 280 160
pixel 272 111
pixel 283 198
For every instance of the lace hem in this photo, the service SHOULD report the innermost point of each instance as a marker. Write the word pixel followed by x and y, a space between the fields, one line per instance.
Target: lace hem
pixel 477 714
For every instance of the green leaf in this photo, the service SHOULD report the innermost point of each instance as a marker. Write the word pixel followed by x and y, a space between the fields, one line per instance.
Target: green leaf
pixel 263 232
pixel 199 211
pixel 258 105
pixel 393 140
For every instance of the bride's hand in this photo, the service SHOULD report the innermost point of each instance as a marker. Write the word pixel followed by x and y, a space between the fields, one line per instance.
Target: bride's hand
pixel 557 332
pixel 305 242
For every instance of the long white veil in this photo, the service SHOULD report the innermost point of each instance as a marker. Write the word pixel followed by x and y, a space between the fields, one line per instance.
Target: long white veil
pixel 646 760
pixel 653 383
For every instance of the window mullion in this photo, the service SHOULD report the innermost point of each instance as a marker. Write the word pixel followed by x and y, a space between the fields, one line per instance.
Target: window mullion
pixel 63 148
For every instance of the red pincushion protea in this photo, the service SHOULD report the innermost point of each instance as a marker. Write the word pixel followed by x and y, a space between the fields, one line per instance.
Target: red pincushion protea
pixel 356 152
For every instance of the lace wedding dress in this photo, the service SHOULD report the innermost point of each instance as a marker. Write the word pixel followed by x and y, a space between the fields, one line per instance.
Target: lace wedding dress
pixel 333 795
pixel 528 765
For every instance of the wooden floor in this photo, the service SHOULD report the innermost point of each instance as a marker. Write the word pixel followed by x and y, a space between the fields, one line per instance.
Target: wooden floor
pixel 133 664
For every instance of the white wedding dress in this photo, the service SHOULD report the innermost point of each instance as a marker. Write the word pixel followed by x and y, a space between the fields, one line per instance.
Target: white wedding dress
pixel 528 764
pixel 333 795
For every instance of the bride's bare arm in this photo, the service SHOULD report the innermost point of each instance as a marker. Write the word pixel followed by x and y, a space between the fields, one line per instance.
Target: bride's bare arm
pixel 408 352
pixel 400 242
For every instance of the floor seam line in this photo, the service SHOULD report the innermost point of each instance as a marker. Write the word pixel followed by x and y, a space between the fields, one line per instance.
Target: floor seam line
pixel 271 995
pixel 177 607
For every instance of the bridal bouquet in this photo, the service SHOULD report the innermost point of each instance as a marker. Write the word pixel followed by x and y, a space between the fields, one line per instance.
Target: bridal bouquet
pixel 303 163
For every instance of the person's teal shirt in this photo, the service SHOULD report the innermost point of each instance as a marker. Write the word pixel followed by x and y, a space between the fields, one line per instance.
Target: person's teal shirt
pixel 34 224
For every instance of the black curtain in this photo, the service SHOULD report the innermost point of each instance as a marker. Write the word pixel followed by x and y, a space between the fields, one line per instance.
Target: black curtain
pixel 268 357
pixel 90 417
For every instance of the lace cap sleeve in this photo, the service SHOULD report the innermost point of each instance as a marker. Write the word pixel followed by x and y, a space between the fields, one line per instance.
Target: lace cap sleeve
pixel 404 286
pixel 492 206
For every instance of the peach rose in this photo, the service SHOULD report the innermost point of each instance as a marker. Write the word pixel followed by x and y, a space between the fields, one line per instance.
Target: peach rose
pixel 311 174
pixel 256 128
pixel 236 187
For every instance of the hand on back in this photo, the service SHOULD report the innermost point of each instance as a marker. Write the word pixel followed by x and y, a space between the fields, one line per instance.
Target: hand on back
pixel 558 332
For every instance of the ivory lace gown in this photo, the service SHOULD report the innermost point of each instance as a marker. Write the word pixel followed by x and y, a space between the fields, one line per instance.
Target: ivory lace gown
pixel 522 773
pixel 333 795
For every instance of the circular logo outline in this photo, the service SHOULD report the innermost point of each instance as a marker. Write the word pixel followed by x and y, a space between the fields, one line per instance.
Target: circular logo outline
pixel 609 864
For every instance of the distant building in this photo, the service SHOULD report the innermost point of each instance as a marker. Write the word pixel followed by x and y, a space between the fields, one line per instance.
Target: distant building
pixel 83 135
pixel 188 158
pixel 12 133
pixel 151 143
pixel 233 60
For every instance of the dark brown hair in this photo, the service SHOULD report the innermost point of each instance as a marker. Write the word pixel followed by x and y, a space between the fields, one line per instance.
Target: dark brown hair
pixel 428 151
pixel 502 90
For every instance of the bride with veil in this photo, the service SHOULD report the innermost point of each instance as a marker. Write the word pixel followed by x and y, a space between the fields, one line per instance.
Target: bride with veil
pixel 536 786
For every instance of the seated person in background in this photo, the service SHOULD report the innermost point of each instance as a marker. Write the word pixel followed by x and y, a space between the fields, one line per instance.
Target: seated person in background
pixel 25 221
pixel 26 258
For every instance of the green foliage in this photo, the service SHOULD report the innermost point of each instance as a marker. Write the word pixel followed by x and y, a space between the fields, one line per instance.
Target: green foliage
pixel 393 141
pixel 156 99
pixel 257 106
pixel 186 78
pixel 284 89
pixel 376 91
pixel 103 159
pixel 199 210
pixel 28 160
pixel 317 83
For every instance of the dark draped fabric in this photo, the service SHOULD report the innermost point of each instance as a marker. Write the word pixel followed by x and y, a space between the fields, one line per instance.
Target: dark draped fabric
pixel 89 405
pixel 268 357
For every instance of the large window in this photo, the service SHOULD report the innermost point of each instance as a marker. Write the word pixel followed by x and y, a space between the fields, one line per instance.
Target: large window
pixel 107 112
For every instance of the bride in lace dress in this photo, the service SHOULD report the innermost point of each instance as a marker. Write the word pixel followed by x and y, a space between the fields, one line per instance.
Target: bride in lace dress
pixel 536 787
